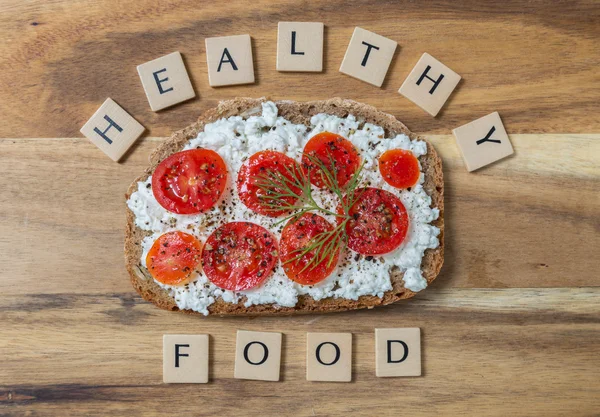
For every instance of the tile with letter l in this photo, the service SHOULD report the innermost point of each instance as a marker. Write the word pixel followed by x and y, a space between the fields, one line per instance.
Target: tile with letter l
pixel 257 355
pixel 483 141
pixel 229 60
pixel 398 352
pixel 368 56
pixel 329 357
pixel 112 130
pixel 300 46
pixel 165 81
pixel 185 358
pixel 429 84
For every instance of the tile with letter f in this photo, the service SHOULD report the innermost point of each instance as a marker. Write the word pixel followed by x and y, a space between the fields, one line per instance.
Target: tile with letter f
pixel 329 357
pixel 185 358
pixel 300 46
pixel 398 352
pixel 229 60
pixel 257 355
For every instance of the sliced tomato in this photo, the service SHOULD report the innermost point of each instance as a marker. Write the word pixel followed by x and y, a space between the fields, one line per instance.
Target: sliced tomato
pixel 296 235
pixel 173 257
pixel 256 170
pixel 378 222
pixel 239 256
pixel 336 153
pixel 190 182
pixel 399 168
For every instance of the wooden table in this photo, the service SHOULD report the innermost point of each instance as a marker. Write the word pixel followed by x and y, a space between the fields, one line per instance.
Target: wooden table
pixel 511 326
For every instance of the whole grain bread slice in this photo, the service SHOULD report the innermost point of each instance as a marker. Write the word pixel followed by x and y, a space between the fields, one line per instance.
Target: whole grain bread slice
pixel 296 112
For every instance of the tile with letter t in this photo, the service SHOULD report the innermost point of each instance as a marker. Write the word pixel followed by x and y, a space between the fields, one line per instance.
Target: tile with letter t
pixel 483 141
pixel 112 130
pixel 229 60
pixel 185 358
pixel 429 84
pixel 165 81
pixel 257 355
pixel 368 56
pixel 398 352
pixel 300 46
pixel 329 357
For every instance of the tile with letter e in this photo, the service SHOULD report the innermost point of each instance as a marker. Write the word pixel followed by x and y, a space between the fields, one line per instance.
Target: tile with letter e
pixel 185 358
pixel 229 60
pixel 483 141
pixel 329 357
pixel 368 56
pixel 112 130
pixel 398 352
pixel 300 46
pixel 429 84
pixel 165 81
pixel 257 355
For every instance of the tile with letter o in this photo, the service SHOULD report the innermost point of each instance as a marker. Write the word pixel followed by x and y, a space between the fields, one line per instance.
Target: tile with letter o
pixel 229 60
pixel 398 352
pixel 329 357
pixel 300 46
pixel 483 141
pixel 185 358
pixel 429 84
pixel 112 130
pixel 165 81
pixel 257 355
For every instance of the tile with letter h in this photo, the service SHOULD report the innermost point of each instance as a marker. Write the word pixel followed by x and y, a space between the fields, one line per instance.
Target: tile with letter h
pixel 185 358
pixel 300 46
pixel 229 60
pixel 398 352
pixel 329 357
pixel 257 355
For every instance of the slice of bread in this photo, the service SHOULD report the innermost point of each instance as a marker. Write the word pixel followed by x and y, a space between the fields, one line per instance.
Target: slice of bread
pixel 296 112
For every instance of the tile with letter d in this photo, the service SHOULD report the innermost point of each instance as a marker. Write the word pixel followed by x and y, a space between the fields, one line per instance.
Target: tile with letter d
pixel 165 81
pixel 398 352
pixel 483 141
pixel 185 358
pixel 329 357
pixel 229 60
pixel 429 84
pixel 257 355
pixel 300 46
pixel 112 130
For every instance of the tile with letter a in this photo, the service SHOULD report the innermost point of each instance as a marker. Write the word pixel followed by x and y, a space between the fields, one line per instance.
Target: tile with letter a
pixel 483 141
pixel 300 46
pixel 185 358
pixel 165 81
pixel 329 357
pixel 398 352
pixel 112 130
pixel 368 56
pixel 257 355
pixel 229 60
pixel 429 84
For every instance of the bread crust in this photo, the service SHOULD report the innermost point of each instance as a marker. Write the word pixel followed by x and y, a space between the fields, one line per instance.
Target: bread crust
pixel 296 112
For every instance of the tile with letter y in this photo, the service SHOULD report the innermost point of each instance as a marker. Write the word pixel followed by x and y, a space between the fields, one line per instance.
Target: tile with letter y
pixel 329 357
pixel 398 352
pixel 300 46
pixel 257 355
pixel 185 358
pixel 229 60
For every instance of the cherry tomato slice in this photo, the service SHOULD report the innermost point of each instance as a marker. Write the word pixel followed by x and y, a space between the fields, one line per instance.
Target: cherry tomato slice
pixel 378 223
pixel 190 182
pixel 328 147
pixel 399 168
pixel 260 167
pixel 295 236
pixel 239 256
pixel 173 257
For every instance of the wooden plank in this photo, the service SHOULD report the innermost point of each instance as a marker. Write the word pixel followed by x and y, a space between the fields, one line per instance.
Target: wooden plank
pixel 537 63
pixel 485 353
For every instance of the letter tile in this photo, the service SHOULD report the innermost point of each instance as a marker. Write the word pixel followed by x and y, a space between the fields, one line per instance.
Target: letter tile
pixel 257 355
pixel 329 357
pixel 185 358
pixel 300 46
pixel 229 60
pixel 398 352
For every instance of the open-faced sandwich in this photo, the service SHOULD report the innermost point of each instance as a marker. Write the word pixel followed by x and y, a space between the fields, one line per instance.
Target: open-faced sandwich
pixel 283 207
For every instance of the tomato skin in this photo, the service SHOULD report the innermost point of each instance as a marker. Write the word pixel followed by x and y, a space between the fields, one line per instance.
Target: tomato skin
pixel 399 168
pixel 263 163
pixel 190 182
pixel 239 256
pixel 173 257
pixel 325 145
pixel 378 223
pixel 295 235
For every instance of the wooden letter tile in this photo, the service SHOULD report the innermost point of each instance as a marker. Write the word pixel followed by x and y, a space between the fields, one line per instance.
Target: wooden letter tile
pixel 429 84
pixel 229 60
pixel 368 56
pixel 483 141
pixel 300 46
pixel 185 358
pixel 398 352
pixel 257 355
pixel 112 129
pixel 166 81
pixel 329 357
